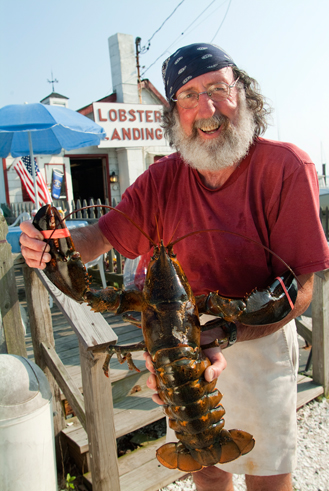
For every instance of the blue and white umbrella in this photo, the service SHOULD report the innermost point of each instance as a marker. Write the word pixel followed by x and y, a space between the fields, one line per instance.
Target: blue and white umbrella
pixel 27 129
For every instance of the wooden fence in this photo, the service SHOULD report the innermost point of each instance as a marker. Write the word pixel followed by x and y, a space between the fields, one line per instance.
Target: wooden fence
pixel 93 213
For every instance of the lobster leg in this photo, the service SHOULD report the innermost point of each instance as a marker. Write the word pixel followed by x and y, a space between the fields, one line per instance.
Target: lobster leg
pixel 260 307
pixel 123 354
pixel 113 300
pixel 132 320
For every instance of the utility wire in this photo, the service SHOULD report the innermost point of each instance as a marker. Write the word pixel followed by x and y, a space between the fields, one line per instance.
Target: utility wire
pixel 187 28
pixel 222 21
pixel 182 34
pixel 145 48
pixel 211 13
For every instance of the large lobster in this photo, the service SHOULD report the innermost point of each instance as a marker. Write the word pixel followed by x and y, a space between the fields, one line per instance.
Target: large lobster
pixel 171 330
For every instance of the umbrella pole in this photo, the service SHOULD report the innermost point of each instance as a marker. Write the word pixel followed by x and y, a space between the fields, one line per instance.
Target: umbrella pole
pixel 33 171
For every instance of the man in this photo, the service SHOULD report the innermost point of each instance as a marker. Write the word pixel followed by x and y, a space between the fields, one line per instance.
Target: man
pixel 226 177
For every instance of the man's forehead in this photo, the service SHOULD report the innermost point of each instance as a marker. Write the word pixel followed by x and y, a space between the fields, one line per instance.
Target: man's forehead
pixel 205 80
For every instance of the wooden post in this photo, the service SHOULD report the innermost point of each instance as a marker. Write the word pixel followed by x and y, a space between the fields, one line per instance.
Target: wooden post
pixel 42 332
pixel 94 336
pixel 99 419
pixel 320 330
pixel 9 304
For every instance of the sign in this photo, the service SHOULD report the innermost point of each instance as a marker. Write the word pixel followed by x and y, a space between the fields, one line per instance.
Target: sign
pixel 129 125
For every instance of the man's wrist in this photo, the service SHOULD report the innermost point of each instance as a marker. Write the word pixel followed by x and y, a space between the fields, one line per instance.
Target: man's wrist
pixel 231 332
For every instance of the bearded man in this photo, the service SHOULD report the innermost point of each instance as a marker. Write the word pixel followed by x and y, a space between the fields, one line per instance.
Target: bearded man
pixel 225 176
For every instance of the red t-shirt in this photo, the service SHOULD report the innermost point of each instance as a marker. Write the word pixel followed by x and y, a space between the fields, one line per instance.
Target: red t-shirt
pixel 272 198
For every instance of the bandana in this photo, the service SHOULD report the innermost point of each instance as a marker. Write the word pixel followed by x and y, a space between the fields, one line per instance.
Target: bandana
pixel 190 62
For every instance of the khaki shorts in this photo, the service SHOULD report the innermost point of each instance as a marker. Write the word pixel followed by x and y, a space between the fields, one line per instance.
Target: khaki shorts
pixel 259 388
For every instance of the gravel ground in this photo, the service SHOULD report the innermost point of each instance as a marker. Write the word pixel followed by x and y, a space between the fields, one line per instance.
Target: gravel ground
pixel 312 473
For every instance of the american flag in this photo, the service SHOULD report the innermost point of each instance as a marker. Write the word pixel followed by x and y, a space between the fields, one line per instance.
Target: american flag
pixel 23 168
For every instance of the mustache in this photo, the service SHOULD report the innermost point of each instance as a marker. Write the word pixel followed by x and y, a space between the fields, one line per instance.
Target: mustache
pixel 211 123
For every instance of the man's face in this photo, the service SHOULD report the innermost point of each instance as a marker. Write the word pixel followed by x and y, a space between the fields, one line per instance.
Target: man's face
pixel 213 135
pixel 206 107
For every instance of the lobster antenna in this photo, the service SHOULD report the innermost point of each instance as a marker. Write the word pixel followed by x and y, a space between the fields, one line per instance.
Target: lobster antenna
pixel 158 232
pixel 47 242
pixel 100 206
pixel 118 211
pixel 237 235
pixel 172 243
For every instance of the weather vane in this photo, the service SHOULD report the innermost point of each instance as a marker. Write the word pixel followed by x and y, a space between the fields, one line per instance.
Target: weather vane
pixel 53 81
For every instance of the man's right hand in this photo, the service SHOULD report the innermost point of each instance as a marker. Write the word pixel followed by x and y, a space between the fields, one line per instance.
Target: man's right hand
pixel 33 246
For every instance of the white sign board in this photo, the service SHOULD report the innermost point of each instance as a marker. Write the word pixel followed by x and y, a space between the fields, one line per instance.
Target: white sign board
pixel 129 125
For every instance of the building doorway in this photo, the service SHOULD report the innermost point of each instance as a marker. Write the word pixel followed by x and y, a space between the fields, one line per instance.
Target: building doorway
pixel 90 177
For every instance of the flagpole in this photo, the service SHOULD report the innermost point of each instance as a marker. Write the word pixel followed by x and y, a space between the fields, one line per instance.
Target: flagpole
pixel 33 171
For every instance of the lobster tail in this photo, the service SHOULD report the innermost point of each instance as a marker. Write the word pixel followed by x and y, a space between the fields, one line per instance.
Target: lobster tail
pixel 176 456
pixel 195 413
pixel 228 446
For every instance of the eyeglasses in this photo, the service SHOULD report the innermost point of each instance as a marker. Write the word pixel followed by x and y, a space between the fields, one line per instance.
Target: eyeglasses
pixel 216 92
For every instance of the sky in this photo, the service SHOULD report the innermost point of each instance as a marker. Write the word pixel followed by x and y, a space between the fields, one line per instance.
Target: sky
pixel 283 44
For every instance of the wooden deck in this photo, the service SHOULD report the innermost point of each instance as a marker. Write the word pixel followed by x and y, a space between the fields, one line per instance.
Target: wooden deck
pixel 133 406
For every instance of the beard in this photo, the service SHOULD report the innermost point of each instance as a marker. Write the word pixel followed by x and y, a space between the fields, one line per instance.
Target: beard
pixel 226 150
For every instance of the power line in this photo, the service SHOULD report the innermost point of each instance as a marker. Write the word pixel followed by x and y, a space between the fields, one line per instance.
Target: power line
pixel 211 13
pixel 187 28
pixel 222 21
pixel 182 34
pixel 163 23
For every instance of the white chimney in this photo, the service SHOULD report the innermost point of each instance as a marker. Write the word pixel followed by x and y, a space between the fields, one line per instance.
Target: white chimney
pixel 123 68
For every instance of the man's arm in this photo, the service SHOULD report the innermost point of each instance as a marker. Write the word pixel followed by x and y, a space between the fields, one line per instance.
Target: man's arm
pixel 304 298
pixel 248 332
pixel 88 241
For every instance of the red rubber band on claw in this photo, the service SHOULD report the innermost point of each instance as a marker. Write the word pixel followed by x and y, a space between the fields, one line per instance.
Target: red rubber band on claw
pixel 286 292
pixel 60 233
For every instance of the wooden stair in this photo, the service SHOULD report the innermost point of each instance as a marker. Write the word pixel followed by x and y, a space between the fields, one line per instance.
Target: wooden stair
pixel 133 409
pixel 307 390
pixel 154 475
pixel 132 412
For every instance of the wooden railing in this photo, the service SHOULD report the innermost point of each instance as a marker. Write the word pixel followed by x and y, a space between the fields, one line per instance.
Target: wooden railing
pixel 94 408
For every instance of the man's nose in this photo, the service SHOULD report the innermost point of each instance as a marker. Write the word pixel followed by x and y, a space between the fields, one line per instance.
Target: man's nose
pixel 206 106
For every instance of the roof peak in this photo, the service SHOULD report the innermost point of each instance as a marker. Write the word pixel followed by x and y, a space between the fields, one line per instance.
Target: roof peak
pixel 55 95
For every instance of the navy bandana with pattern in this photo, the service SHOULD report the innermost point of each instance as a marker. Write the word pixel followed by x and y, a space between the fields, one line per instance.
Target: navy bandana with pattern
pixel 190 62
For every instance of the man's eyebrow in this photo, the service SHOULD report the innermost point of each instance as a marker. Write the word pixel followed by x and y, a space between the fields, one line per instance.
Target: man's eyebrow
pixel 193 88
pixel 189 88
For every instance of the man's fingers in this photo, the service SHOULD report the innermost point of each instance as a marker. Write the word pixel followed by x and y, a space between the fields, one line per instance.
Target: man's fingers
pixel 218 363
pixel 151 383
pixel 33 259
pixel 157 400
pixel 33 247
pixel 30 230
pixel 148 362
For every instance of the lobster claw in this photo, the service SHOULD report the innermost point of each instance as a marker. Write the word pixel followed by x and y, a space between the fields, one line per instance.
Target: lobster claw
pixel 65 269
pixel 272 304
pixel 260 307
